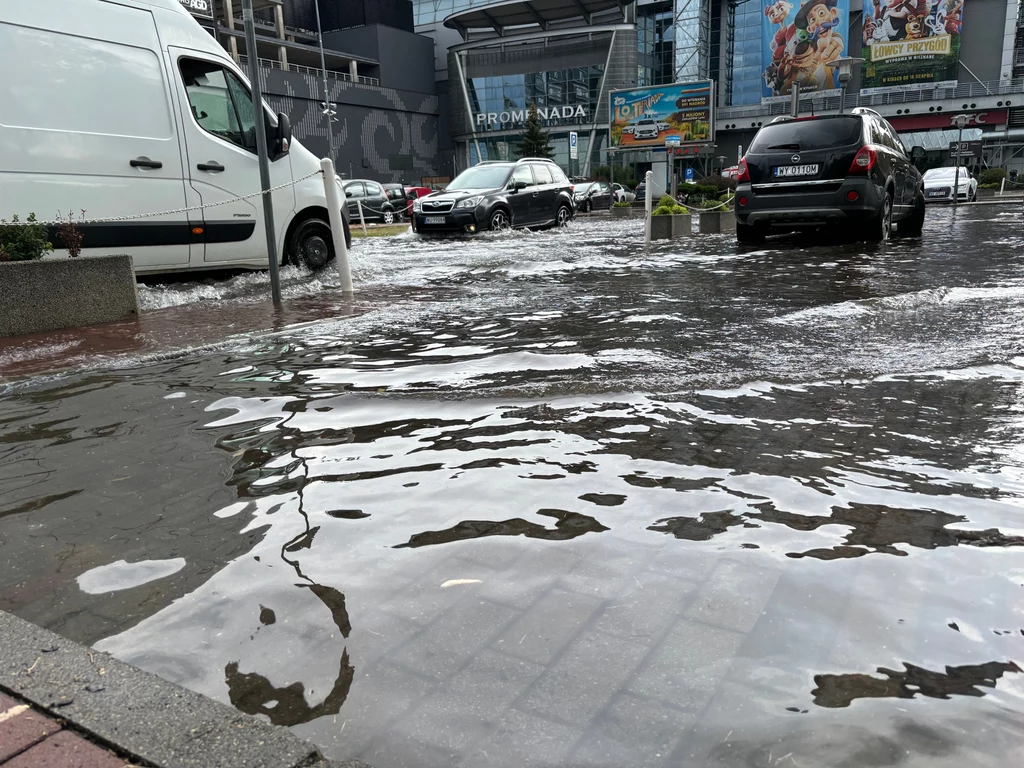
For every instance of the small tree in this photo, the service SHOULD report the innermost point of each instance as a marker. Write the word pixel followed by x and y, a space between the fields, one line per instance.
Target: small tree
pixel 23 241
pixel 534 139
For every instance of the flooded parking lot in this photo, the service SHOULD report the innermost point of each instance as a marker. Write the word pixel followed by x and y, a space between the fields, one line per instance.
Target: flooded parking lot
pixel 557 500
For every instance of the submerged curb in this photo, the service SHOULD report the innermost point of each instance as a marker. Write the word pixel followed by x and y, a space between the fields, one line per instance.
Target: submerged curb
pixel 152 721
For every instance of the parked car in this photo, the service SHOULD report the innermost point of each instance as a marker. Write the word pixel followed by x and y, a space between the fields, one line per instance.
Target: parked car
pixel 398 198
pixel 640 193
pixel 151 134
pixel 731 172
pixel 593 194
pixel 411 194
pixel 847 171
pixel 623 194
pixel 939 182
pixel 498 195
pixel 646 128
pixel 370 195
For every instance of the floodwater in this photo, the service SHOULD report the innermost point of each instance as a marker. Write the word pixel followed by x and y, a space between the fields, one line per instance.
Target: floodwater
pixel 556 500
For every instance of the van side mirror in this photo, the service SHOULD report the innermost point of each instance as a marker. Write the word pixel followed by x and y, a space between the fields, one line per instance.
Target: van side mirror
pixel 917 153
pixel 283 136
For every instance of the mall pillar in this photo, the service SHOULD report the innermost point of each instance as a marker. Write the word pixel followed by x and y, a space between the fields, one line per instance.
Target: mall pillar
pixel 353 71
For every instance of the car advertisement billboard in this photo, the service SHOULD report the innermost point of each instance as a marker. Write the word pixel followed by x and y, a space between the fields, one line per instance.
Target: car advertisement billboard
pixel 911 44
pixel 648 117
pixel 799 42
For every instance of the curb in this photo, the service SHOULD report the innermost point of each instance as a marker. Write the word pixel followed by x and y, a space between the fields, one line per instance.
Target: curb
pixel 154 722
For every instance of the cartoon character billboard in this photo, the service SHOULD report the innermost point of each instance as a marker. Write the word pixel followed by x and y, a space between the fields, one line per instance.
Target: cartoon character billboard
pixel 910 44
pixel 799 44
pixel 652 117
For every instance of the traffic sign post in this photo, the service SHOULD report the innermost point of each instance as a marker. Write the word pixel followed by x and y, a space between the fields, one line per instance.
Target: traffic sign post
pixel 574 150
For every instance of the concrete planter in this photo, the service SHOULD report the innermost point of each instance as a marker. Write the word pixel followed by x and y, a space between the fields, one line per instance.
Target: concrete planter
pixel 56 293
pixel 715 222
pixel 670 227
pixel 622 213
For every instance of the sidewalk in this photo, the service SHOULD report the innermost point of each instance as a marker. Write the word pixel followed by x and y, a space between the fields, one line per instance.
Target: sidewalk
pixel 63 705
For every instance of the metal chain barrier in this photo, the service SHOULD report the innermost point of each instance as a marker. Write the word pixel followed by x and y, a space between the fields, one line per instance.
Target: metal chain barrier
pixel 134 216
pixel 691 207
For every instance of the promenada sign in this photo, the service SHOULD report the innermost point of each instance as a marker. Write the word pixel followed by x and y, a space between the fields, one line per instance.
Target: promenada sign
pixel 518 116
pixel 650 117
pixel 911 44
pixel 799 43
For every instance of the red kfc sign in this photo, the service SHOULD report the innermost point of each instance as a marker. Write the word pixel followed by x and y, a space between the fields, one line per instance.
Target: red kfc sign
pixel 985 120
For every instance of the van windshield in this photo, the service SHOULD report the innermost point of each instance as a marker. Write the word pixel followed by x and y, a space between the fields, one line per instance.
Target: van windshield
pixel 481 177
pixel 807 135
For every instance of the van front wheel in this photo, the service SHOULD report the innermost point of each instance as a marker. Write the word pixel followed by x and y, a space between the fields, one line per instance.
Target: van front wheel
pixel 310 245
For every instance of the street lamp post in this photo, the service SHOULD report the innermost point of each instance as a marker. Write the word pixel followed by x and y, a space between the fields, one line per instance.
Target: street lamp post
pixel 845 64
pixel 961 122
pixel 329 111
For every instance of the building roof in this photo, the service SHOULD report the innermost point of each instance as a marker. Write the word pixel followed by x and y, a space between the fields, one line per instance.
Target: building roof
pixel 502 16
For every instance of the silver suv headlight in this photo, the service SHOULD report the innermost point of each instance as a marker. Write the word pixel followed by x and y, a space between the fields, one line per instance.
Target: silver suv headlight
pixel 470 202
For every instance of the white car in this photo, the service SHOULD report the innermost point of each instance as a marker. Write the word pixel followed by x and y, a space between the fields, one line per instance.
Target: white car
pixel 623 195
pixel 938 185
pixel 646 128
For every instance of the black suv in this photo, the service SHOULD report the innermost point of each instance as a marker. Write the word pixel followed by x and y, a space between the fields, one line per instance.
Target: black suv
pixel 845 171
pixel 372 198
pixel 498 195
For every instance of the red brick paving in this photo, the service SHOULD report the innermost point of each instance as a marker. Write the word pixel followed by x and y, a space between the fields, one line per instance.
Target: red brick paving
pixel 29 739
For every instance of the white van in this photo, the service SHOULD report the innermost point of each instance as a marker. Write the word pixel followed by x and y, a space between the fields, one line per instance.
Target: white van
pixel 131 107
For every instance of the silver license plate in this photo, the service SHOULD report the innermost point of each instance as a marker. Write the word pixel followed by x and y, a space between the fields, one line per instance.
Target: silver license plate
pixel 936 193
pixel 435 220
pixel 796 170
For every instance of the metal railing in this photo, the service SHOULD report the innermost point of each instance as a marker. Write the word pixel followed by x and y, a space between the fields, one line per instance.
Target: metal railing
pixel 343 76
pixel 970 90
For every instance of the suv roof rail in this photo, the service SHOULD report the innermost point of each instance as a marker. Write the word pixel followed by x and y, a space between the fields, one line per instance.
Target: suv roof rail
pixel 864 111
pixel 781 119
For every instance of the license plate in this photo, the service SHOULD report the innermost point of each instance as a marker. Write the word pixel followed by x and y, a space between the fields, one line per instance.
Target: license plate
pixel 796 170
pixel 435 220
pixel 936 193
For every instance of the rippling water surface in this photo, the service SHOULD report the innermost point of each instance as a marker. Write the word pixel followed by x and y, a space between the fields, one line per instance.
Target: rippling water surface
pixel 551 499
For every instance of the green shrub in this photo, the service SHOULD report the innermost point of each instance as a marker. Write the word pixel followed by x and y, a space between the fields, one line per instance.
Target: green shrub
pixel 720 183
pixel 991 176
pixel 724 196
pixel 995 185
pixel 668 207
pixel 716 204
pixel 23 242
pixel 687 188
pixel 622 205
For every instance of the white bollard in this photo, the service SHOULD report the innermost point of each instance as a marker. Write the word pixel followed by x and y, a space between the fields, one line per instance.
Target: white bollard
pixel 335 201
pixel 362 219
pixel 1002 185
pixel 648 205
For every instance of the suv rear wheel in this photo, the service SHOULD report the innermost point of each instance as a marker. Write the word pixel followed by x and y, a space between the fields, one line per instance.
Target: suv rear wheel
pixel 880 227
pixel 563 216
pixel 913 224
pixel 748 234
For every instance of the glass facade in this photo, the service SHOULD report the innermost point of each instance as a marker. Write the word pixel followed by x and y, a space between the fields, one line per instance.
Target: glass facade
pixel 436 11
pixel 573 87
pixel 655 37
pixel 507 148
pixel 743 53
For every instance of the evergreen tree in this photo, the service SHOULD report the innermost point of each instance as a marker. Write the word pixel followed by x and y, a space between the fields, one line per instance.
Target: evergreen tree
pixel 534 139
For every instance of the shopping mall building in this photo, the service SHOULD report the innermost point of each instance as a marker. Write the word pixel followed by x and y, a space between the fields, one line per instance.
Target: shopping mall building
pixel 425 88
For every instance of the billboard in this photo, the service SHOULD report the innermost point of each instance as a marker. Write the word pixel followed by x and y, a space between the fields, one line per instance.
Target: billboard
pixel 649 117
pixel 910 44
pixel 798 44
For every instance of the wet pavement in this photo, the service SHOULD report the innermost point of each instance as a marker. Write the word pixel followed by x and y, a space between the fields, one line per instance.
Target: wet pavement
pixel 554 500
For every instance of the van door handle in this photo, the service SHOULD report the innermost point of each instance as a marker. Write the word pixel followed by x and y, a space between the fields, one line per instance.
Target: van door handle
pixel 213 167
pixel 145 162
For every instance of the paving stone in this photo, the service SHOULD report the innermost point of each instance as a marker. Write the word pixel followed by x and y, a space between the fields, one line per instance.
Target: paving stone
pixel 644 612
pixel 734 596
pixel 686 562
pixel 66 750
pixel 633 732
pixel 453 638
pixel 530 576
pixel 470 708
pixel 584 678
pixel 525 741
pixel 23 730
pixel 546 626
pixel 688 666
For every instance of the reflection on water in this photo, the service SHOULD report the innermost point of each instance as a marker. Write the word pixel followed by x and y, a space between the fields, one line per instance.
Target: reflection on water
pixel 435 534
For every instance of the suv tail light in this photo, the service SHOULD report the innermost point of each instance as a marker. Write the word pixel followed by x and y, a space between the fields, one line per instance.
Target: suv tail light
pixel 742 172
pixel 864 161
